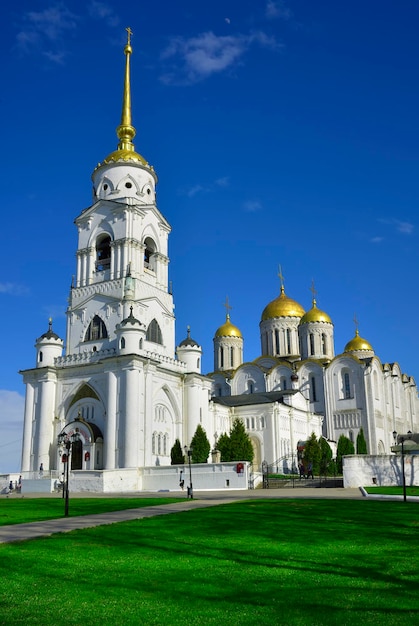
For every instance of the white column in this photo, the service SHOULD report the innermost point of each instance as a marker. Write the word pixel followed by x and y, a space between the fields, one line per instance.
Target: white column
pixel 27 428
pixel 131 417
pixel 45 416
pixel 110 425
pixel 90 265
pixel 78 280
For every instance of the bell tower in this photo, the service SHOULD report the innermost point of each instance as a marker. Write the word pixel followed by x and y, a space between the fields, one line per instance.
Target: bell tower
pixel 122 236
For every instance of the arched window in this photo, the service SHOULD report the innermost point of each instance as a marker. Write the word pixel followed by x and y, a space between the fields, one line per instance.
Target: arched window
pixel 122 343
pixel 41 356
pixel 149 254
pixel 311 344
pixel 221 357
pixel 103 252
pixel 277 349
pixel 313 391
pixel 153 444
pixel 154 332
pixel 232 357
pixel 324 343
pixel 288 341
pixel 96 330
pixel 346 385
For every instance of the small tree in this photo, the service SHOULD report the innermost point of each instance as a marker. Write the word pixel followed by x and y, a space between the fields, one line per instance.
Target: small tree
pixel 200 446
pixel 361 444
pixel 345 446
pixel 312 453
pixel 241 448
pixel 326 455
pixel 176 453
pixel 223 446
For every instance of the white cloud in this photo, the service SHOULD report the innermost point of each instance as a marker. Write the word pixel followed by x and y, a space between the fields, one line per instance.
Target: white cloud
pixel 42 29
pixel 102 11
pixel 199 57
pixel 277 9
pixel 13 289
pixel 404 227
pixel 251 206
pixel 222 182
pixel 12 411
pixel 377 239
pixel 52 22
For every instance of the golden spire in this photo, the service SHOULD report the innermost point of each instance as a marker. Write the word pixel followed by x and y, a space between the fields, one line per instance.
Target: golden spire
pixel 125 131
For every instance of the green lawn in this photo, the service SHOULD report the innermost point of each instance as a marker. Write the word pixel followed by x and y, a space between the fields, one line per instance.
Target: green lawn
pixel 22 510
pixel 393 491
pixel 286 562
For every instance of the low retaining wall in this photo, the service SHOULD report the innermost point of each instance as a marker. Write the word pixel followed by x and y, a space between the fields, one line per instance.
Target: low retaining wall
pixel 386 470
pixel 205 477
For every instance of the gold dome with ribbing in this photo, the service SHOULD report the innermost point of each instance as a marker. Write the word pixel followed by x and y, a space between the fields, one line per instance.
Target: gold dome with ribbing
pixel 282 306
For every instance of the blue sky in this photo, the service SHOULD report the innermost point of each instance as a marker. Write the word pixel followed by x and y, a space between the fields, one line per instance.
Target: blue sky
pixel 282 133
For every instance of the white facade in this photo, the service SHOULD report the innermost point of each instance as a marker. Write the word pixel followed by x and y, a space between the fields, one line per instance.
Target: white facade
pixel 129 393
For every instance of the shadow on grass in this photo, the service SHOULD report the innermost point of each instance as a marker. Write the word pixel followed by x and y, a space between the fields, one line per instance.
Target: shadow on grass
pixel 278 562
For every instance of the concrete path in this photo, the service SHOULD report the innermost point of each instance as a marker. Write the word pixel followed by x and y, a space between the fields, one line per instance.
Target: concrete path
pixel 20 532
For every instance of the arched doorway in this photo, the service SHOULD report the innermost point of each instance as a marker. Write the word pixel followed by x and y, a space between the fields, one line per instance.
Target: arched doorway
pixel 77 455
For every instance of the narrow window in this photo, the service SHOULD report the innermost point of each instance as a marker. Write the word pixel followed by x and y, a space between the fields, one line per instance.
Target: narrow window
pixel 324 344
pixel 41 356
pixel 288 341
pixel 277 350
pixel 313 392
pixel 346 385
pixel 311 344
pixel 122 343
pixel 221 357
pixel 232 357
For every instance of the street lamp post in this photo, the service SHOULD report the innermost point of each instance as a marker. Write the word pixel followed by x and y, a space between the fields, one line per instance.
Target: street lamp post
pixel 67 442
pixel 402 439
pixel 188 451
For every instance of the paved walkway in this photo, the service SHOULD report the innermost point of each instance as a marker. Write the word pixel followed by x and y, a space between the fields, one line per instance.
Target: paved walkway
pixel 20 532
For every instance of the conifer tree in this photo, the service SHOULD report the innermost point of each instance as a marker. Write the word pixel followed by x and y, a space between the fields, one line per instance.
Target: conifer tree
pixel 241 448
pixel 326 455
pixel 345 446
pixel 176 454
pixel 223 446
pixel 200 446
pixel 361 444
pixel 312 453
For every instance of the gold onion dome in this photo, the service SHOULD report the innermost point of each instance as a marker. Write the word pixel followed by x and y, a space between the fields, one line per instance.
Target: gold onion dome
pixel 228 329
pixel 315 315
pixel 282 306
pixel 358 343
pixel 126 131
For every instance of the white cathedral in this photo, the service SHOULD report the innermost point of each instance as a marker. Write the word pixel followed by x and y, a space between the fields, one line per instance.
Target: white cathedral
pixel 129 392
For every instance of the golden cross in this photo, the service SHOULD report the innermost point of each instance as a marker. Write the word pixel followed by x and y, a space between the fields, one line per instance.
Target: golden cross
pixel 129 31
pixel 355 322
pixel 227 306
pixel 313 290
pixel 280 276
